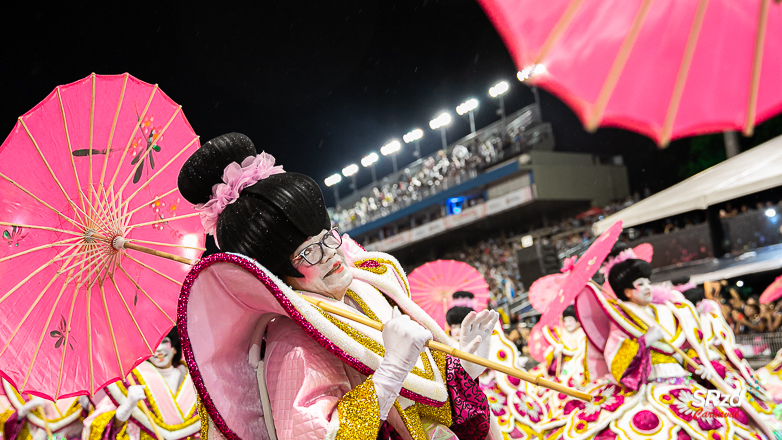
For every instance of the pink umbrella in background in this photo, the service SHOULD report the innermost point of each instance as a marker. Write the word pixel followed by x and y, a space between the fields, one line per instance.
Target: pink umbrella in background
pixel 586 266
pixel 85 176
pixel 432 285
pixel 542 291
pixel 666 69
pixel 773 292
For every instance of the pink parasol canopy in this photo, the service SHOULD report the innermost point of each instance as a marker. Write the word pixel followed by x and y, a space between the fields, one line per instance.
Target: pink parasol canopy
pixel 666 69
pixel 86 175
pixel 432 285
pixel 586 266
pixel 773 292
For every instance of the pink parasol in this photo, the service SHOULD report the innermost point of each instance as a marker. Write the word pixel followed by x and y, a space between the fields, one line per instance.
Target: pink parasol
pixel 432 285
pixel 660 68
pixel 541 292
pixel 773 292
pixel 86 175
pixel 585 268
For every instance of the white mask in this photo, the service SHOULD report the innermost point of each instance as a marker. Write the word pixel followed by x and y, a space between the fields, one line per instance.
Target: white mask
pixel 570 323
pixel 642 292
pixel 456 331
pixel 164 354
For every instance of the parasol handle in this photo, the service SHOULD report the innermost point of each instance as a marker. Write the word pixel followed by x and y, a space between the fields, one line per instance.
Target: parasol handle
pixel 146 410
pixel 433 345
pixel 120 243
pixel 42 415
pixel 559 364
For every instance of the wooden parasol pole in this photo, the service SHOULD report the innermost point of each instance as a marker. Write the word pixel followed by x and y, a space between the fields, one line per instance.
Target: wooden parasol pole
pixel 433 345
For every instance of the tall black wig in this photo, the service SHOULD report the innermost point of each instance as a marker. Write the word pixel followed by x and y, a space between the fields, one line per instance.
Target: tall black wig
pixel 176 344
pixel 624 273
pixel 270 219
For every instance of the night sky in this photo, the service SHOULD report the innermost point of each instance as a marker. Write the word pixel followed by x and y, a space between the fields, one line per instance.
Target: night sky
pixel 317 86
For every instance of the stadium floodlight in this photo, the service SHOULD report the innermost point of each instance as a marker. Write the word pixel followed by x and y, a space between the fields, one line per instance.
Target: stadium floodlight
pixel 390 148
pixel 499 89
pixel 530 71
pixel 350 170
pixel 467 106
pixel 414 135
pixel 369 160
pixel 771 212
pixel 332 180
pixel 440 121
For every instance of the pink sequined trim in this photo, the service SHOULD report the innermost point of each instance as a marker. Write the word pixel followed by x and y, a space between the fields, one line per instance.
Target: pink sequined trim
pixel 293 313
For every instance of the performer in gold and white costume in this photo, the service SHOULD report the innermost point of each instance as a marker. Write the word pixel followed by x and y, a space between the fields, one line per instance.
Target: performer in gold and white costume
pixel 164 386
pixel 29 418
pixel 648 393
pixel 770 377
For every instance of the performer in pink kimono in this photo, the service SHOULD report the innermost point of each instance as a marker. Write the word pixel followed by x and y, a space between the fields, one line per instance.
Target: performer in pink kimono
pixel 647 393
pixel 268 364
pixel 164 386
pixel 29 418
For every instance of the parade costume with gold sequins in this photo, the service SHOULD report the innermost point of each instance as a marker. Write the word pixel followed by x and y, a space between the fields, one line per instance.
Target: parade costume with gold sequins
pixel 174 411
pixel 647 392
pixel 64 417
pixel 309 374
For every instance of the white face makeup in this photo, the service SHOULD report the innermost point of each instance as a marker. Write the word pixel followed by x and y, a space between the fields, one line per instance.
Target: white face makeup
pixel 456 331
pixel 329 278
pixel 570 323
pixel 641 293
pixel 164 354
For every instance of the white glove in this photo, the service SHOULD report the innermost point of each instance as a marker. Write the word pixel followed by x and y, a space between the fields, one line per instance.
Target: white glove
pixel 716 342
pixel 135 395
pixel 703 373
pixel 558 349
pixel 521 362
pixel 653 335
pixel 404 340
pixel 30 406
pixel 475 338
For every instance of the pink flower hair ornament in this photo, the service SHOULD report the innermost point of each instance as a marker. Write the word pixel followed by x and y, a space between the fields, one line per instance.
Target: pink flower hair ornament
pixel 463 302
pixel 627 254
pixel 235 178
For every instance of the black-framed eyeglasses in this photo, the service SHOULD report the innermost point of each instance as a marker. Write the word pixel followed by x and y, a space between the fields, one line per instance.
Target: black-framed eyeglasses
pixel 313 254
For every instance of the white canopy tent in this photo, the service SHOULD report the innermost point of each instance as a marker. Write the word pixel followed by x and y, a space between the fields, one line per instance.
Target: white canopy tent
pixel 747 173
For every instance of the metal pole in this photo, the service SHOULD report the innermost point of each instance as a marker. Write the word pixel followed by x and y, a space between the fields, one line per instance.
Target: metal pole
pixel 442 134
pixel 472 123
pixel 537 101
pixel 355 186
pixel 393 161
pixel 374 175
pixel 418 149
pixel 336 195
pixel 731 143
pixel 502 115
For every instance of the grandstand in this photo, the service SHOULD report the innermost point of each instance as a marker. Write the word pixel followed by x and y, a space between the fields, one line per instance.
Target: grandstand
pixel 481 191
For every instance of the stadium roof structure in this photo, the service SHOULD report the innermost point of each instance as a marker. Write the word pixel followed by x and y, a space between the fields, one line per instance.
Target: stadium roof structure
pixel 747 173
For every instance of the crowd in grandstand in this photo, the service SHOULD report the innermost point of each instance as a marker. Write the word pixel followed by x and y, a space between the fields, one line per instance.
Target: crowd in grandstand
pixel 434 174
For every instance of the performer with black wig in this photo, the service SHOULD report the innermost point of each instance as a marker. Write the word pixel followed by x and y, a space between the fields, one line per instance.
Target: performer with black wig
pixel 268 364
pixel 648 392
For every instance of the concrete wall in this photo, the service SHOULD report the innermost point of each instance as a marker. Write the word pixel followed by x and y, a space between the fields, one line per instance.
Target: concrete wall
pixel 567 176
